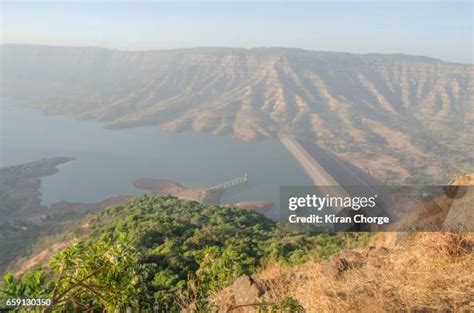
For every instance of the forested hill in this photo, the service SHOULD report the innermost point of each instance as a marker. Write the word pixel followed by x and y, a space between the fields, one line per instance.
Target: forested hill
pixel 168 254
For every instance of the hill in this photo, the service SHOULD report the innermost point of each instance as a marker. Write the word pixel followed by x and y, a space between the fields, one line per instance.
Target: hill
pixel 167 254
pixel 428 272
pixel 397 272
pixel 164 253
pixel 408 115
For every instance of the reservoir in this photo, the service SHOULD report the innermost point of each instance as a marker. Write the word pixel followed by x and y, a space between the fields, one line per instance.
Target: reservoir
pixel 107 161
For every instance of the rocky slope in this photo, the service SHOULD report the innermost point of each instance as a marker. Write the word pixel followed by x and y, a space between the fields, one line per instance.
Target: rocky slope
pixel 407 113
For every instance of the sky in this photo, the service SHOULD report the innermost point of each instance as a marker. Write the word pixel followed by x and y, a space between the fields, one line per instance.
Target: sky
pixel 441 29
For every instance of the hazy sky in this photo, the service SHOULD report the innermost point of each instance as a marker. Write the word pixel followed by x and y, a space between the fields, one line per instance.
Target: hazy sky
pixel 441 29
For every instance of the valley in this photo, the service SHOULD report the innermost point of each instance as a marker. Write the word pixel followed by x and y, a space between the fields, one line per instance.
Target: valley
pixel 236 156
pixel 408 115
pixel 299 117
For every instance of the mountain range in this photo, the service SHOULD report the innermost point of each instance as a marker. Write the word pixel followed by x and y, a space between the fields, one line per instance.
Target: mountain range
pixel 400 117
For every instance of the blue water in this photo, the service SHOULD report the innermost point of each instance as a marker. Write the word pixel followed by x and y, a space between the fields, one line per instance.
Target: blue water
pixel 107 161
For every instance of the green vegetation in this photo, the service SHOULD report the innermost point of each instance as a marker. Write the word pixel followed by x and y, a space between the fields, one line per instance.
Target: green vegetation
pixel 163 254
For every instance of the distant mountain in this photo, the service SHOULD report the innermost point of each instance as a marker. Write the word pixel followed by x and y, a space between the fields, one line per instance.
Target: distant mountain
pixel 396 116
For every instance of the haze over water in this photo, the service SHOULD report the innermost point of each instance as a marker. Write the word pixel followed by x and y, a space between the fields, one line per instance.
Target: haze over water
pixel 107 161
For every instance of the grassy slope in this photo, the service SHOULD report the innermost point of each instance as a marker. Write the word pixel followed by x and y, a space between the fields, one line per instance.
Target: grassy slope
pixel 429 272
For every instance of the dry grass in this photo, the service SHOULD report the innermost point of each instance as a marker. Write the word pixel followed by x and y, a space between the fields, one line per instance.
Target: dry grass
pixel 429 272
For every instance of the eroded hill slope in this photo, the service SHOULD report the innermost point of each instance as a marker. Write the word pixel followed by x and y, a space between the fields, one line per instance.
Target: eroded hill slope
pixel 404 112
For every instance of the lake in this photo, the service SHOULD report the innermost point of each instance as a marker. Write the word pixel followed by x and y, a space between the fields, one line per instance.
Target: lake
pixel 107 161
